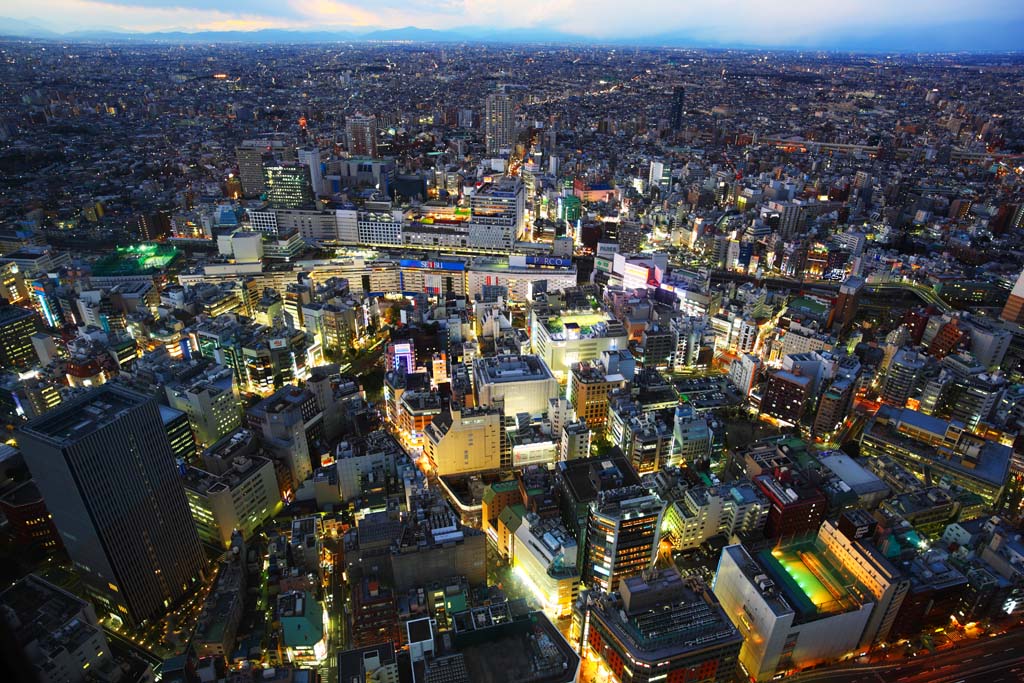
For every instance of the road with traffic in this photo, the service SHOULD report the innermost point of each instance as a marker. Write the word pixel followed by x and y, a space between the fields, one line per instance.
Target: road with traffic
pixel 998 659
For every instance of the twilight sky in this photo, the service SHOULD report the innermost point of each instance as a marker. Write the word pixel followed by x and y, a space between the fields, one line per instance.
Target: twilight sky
pixel 748 22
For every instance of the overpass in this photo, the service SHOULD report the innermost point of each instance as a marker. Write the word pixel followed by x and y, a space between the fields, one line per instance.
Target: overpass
pixel 927 295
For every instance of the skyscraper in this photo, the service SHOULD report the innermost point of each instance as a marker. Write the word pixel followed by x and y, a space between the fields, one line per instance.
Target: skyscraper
pixel 362 136
pixel 678 106
pixel 499 126
pixel 106 470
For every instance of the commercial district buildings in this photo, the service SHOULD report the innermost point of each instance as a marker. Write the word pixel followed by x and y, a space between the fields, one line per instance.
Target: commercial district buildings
pixel 451 362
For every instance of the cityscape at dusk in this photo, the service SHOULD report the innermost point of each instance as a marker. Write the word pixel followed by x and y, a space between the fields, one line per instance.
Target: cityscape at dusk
pixel 537 342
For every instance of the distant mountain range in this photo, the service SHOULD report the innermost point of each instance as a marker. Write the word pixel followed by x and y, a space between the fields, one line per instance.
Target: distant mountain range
pixel 964 36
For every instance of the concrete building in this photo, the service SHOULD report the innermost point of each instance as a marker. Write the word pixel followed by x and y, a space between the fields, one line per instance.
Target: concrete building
pixel 705 512
pixel 786 396
pixel 902 377
pixel 291 426
pixel 544 556
pixel 137 550
pixel 223 608
pixel 518 384
pixel 793 605
pixel 238 490
pixel 588 389
pixel 743 372
pixel 499 123
pixel 17 325
pixel 857 556
pixel 575 441
pixel 659 627
pixel 938 450
pixel 1013 311
pixel 365 462
pixel 56 631
pixel 868 488
pixel 361 133
pixel 461 441
pixel 376 663
pixel 562 338
pixel 212 405
pixel 623 531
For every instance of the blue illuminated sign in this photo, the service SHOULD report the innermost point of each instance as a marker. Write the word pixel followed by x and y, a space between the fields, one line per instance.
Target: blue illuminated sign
pixel 432 265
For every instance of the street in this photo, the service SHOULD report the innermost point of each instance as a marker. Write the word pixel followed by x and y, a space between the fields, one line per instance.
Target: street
pixel 998 659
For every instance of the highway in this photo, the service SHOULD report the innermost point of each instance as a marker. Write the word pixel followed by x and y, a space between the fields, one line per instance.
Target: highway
pixel 985 660
pixel 872 289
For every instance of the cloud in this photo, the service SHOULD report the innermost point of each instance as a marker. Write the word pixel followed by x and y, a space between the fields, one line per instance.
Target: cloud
pixel 806 22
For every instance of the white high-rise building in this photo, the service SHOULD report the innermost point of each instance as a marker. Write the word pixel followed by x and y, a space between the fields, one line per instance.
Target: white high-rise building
pixel 311 158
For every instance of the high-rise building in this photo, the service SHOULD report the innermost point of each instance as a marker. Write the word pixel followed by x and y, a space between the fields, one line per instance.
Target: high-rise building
pixel 796 505
pixel 1013 311
pixel 291 423
pixel 678 108
pixel 310 158
pixel 743 372
pixel 211 403
pixel 659 627
pixel 234 490
pixel 253 155
pixel 623 530
pixel 786 396
pixel 902 377
pixel 362 136
pixel 106 469
pixel 179 434
pixel 575 443
pixel 589 386
pixel 833 406
pixel 17 325
pixel 288 186
pixel 845 308
pixel 499 124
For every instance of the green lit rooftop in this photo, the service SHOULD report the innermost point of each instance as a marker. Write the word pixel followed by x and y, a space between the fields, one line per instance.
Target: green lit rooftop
pixel 811 582
pixel 138 259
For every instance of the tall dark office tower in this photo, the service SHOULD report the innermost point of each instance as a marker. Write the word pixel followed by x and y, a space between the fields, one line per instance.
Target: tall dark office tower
pixel 289 187
pixel 106 470
pixel 678 106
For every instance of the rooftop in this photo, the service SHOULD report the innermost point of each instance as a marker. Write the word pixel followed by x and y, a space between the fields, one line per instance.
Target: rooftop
pixel 511 368
pixel 76 419
pixel 661 615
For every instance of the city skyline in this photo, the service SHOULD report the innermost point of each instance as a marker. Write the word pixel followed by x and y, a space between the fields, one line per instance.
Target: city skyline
pixel 992 25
